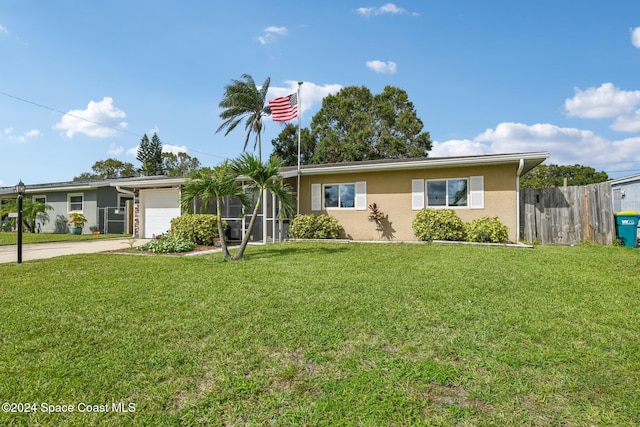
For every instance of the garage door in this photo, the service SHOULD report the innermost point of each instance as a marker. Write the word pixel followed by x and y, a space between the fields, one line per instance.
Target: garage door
pixel 160 207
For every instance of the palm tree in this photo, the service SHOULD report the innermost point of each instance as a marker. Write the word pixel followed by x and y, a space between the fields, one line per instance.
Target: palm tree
pixel 261 176
pixel 31 212
pixel 242 99
pixel 213 185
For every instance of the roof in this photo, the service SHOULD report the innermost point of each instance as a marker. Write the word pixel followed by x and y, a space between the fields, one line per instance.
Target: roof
pixel 134 182
pixel 625 179
pixel 530 160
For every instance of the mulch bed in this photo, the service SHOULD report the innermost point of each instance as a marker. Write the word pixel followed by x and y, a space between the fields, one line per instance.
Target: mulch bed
pixel 135 251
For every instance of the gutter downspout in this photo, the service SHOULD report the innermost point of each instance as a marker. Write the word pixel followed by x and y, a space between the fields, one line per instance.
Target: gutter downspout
pixel 123 191
pixel 518 173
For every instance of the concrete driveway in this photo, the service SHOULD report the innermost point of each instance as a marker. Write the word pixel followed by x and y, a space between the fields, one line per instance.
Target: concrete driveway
pixel 50 250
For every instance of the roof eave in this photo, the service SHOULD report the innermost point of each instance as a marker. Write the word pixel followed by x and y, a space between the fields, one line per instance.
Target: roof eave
pixel 531 160
pixel 156 183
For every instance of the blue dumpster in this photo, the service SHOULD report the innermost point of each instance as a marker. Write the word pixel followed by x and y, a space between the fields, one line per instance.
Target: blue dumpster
pixel 627 227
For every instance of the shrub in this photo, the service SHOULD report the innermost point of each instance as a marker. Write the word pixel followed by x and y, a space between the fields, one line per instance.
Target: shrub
pixel 200 229
pixel 167 244
pixel 487 230
pixel 438 224
pixel 315 227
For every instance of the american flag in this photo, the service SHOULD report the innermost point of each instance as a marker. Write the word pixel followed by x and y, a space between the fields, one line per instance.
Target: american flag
pixel 284 108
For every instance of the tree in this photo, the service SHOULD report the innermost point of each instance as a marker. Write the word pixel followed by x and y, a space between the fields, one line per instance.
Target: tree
pixel 150 155
pixel 211 185
pixel 548 176
pixel 243 100
pixel 108 169
pixel 180 164
pixel 354 125
pixel 261 176
pixel 31 212
pixel 285 147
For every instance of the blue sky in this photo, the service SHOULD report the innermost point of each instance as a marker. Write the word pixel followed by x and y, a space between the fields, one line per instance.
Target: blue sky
pixel 493 76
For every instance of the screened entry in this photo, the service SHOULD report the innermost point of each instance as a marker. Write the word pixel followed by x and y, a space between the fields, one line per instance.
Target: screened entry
pixel 268 227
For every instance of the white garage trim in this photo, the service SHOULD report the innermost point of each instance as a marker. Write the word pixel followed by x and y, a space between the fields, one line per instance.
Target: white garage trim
pixel 158 207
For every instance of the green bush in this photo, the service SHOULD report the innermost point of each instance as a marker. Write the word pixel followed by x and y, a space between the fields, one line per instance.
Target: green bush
pixel 487 230
pixel 438 224
pixel 200 229
pixel 167 244
pixel 315 227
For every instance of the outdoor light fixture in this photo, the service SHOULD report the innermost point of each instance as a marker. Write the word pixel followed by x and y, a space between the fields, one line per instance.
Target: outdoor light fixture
pixel 20 188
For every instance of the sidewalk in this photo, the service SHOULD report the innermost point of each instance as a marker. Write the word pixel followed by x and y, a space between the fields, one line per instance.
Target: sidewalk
pixel 50 250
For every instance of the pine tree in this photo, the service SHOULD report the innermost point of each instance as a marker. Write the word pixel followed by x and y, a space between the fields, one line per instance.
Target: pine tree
pixel 156 159
pixel 150 155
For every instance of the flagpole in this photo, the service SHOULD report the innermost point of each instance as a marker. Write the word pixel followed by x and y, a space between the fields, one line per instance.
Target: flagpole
pixel 299 126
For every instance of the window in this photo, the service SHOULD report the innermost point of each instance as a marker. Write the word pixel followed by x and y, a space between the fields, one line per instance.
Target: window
pixel 339 195
pixel 75 202
pixel 447 192
pixel 39 199
pixel 455 192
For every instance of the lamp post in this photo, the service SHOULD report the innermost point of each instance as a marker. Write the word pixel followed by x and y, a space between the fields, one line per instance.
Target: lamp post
pixel 20 190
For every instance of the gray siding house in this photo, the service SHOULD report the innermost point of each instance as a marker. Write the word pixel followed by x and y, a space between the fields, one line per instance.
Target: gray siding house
pixel 626 193
pixel 99 201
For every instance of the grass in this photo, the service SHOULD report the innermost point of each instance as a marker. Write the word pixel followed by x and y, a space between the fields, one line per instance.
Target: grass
pixel 9 238
pixel 327 334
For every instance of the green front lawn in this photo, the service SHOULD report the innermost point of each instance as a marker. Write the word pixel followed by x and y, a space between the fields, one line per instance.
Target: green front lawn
pixel 7 238
pixel 326 334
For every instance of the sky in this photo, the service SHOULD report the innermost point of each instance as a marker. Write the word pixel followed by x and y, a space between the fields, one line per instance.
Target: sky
pixel 485 77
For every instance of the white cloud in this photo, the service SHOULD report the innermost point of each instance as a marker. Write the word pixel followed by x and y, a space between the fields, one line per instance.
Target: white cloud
pixel 271 34
pixel 604 101
pixel 3 30
pixel 100 120
pixel 389 8
pixel 628 122
pixel 115 150
pixel 565 145
pixel 607 101
pixel 23 137
pixel 459 147
pixel 382 67
pixel 175 149
pixel 310 93
pixel 635 37
pixel 132 151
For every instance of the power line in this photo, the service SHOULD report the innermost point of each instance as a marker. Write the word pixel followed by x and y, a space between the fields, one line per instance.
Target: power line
pixel 91 121
pixel 69 114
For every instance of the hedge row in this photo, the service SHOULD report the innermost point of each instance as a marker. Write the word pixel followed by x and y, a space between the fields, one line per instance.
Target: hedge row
pixel 444 224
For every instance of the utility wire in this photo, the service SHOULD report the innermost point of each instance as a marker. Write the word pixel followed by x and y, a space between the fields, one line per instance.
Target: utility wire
pixel 90 121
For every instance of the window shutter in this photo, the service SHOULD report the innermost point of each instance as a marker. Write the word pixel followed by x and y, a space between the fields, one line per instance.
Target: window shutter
pixel 417 194
pixel 316 197
pixel 361 196
pixel 476 192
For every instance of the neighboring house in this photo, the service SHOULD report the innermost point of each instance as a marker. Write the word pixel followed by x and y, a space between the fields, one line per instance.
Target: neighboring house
pixel 625 193
pixel 103 206
pixel 473 186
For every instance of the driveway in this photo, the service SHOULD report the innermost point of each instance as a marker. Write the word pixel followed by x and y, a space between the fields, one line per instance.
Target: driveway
pixel 49 250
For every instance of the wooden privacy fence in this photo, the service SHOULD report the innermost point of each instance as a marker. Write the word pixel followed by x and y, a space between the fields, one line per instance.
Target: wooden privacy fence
pixel 568 215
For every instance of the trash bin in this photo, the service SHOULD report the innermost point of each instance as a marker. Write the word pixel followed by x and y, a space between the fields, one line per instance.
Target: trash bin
pixel 627 227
